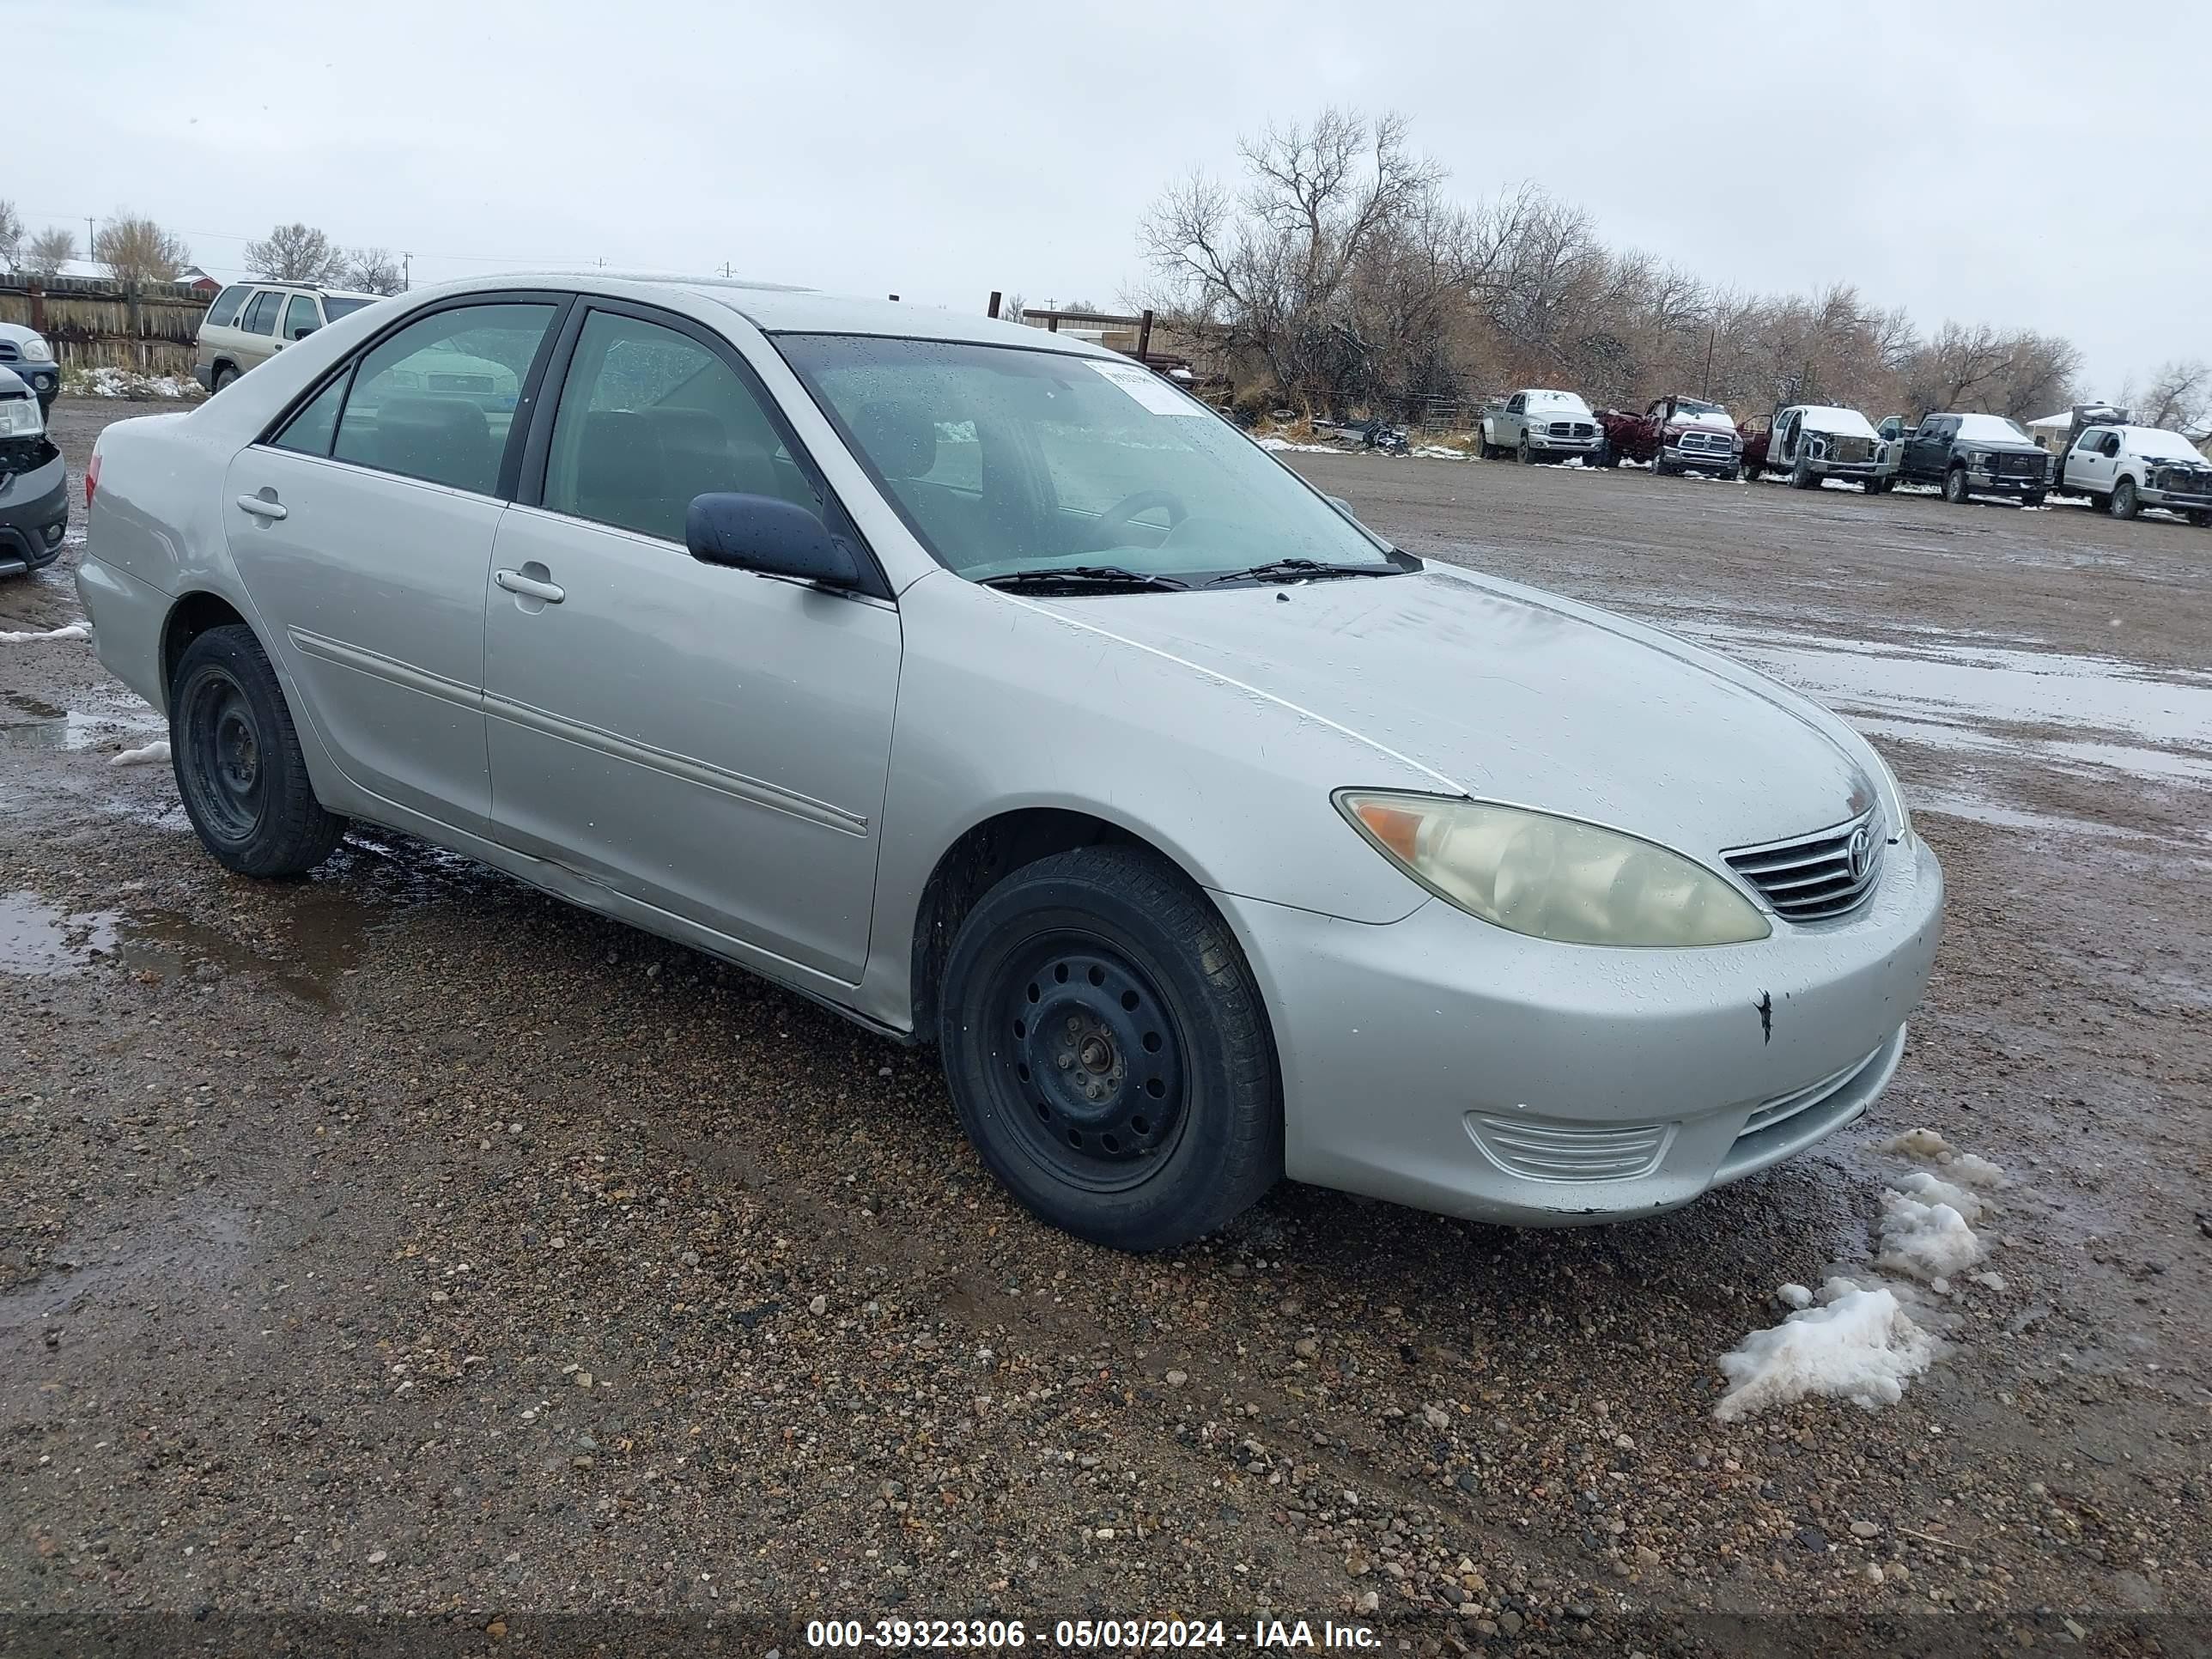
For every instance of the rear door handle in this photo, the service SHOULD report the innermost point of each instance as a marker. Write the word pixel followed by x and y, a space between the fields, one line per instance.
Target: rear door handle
pixel 515 582
pixel 261 507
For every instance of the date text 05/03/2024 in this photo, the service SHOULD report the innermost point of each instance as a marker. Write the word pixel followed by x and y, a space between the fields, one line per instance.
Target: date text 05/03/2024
pixel 1089 1635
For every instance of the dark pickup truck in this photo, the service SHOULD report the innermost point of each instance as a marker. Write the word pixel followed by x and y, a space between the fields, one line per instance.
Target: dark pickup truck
pixel 1970 455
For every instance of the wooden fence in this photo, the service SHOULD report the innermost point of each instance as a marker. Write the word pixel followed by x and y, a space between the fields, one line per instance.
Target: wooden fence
pixel 89 322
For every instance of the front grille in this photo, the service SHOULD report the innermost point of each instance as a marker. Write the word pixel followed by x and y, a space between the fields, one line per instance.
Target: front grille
pixel 1707 443
pixel 1571 429
pixel 2020 466
pixel 1851 449
pixel 8 353
pixel 1551 1150
pixel 1812 878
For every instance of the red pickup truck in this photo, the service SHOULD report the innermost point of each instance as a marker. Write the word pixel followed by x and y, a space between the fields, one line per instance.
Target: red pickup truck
pixel 1674 434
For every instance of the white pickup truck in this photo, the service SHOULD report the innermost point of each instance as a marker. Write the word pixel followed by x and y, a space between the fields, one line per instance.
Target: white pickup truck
pixel 1537 425
pixel 2126 468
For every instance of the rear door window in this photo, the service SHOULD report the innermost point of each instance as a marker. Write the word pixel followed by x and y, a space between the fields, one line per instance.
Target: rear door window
pixel 224 312
pixel 260 317
pixel 436 400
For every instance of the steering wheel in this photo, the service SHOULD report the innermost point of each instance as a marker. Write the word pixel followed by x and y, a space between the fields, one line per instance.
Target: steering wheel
pixel 1116 518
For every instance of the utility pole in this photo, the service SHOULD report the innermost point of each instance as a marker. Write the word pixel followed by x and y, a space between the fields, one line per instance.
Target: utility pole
pixel 87 236
pixel 1707 389
pixel 406 270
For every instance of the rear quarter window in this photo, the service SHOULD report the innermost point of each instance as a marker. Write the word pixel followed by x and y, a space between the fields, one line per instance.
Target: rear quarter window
pixel 224 310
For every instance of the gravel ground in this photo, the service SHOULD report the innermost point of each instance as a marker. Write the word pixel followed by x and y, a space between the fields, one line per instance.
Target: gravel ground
pixel 402 1242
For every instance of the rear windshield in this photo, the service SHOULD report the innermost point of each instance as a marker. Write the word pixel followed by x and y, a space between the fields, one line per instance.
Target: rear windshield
pixel 335 307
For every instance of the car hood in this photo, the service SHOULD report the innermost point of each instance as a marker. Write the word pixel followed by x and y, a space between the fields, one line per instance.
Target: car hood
pixel 1701 423
pixel 1508 694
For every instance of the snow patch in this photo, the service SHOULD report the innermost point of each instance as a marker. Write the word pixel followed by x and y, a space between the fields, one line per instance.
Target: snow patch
pixel 1970 1169
pixel 1917 1143
pixel 1860 1344
pixel 1795 1295
pixel 1934 1190
pixel 152 754
pixel 111 382
pixel 71 631
pixel 1302 449
pixel 1929 1240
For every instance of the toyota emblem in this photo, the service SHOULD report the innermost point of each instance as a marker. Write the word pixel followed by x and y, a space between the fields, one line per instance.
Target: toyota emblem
pixel 1862 852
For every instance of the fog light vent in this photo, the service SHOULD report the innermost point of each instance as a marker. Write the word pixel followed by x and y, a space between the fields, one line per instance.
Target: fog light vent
pixel 1541 1149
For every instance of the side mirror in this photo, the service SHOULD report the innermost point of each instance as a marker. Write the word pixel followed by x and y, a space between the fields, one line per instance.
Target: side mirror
pixel 768 536
pixel 304 330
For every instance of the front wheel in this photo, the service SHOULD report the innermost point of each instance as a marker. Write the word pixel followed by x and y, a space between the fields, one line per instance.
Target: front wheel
pixel 1955 486
pixel 2125 504
pixel 1523 453
pixel 2032 498
pixel 238 763
pixel 1108 1053
pixel 2201 517
pixel 1801 475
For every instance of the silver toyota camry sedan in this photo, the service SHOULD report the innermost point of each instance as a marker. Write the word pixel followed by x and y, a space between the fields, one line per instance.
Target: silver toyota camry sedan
pixel 980 684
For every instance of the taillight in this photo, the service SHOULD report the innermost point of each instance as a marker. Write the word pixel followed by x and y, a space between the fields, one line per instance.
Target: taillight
pixel 91 479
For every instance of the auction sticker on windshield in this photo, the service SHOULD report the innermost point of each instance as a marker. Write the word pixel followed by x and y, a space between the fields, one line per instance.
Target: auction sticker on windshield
pixel 1140 384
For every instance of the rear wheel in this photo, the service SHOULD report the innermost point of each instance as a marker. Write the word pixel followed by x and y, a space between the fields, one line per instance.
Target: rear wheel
pixel 1955 486
pixel 223 376
pixel 2032 498
pixel 1108 1053
pixel 238 763
pixel 2125 503
pixel 2201 517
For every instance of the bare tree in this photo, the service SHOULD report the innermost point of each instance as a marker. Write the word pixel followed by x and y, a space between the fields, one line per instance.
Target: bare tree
pixel 368 271
pixel 2179 395
pixel 137 251
pixel 46 253
pixel 294 253
pixel 12 233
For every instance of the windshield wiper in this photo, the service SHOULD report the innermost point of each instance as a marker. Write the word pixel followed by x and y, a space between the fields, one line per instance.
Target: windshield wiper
pixel 1303 570
pixel 1084 575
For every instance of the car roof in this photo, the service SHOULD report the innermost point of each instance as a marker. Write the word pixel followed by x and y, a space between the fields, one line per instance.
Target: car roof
pixel 780 308
pixel 292 286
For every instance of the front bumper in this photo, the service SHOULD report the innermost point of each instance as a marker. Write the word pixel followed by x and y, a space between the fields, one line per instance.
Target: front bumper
pixel 33 513
pixel 1446 1064
pixel 1984 481
pixel 1858 472
pixel 2176 500
pixel 1570 446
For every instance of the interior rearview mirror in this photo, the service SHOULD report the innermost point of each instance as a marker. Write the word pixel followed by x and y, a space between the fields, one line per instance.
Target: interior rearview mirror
pixel 768 536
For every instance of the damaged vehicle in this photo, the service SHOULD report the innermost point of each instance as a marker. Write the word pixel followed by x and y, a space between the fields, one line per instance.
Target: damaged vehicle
pixel 1808 442
pixel 1968 455
pixel 34 482
pixel 2126 468
pixel 1536 425
pixel 1209 837
pixel 1674 434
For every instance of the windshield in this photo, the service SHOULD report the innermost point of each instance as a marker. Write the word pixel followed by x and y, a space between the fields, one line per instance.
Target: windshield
pixel 1991 429
pixel 334 307
pixel 1002 459
pixel 1565 401
pixel 2159 445
pixel 1694 406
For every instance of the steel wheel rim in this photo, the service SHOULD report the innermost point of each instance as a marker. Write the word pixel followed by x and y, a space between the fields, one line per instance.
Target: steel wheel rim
pixel 1087 1064
pixel 226 760
pixel 2125 492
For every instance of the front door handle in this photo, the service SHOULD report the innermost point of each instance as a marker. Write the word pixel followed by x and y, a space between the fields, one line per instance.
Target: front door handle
pixel 529 586
pixel 261 507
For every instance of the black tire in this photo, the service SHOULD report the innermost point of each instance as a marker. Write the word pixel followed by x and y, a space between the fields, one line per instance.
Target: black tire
pixel 2201 517
pixel 1606 459
pixel 1108 1051
pixel 224 374
pixel 1659 467
pixel 2032 498
pixel 237 758
pixel 1955 486
pixel 1801 475
pixel 2125 503
pixel 1523 453
pixel 1749 472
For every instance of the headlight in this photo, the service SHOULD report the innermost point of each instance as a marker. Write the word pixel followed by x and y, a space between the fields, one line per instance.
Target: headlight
pixel 36 350
pixel 1978 457
pixel 1551 878
pixel 20 418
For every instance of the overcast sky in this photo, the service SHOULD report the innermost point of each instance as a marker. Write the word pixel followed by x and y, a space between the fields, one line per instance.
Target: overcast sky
pixel 1950 158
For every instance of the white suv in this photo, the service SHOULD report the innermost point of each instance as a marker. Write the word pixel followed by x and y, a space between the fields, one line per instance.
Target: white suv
pixel 250 323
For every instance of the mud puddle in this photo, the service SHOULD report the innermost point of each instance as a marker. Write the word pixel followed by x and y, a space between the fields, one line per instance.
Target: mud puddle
pixel 113 721
pixel 39 940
